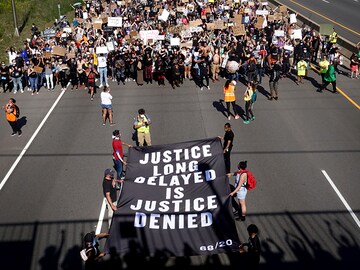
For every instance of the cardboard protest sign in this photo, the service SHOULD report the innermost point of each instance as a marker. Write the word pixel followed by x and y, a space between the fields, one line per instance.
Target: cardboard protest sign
pixel 271 18
pixel 70 55
pixel 239 30
pixel 38 69
pixel 219 25
pixel 57 50
pixel 210 26
pixel 283 9
pixel 195 22
pixel 97 25
pixel 175 42
pixel 259 22
pixel 47 54
pixel 326 29
pixel 188 44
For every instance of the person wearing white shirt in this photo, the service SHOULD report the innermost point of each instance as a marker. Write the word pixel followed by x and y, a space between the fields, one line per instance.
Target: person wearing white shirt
pixel 106 106
pixel 102 68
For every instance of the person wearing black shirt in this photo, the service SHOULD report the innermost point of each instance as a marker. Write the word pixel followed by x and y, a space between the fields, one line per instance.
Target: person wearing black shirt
pixel 227 145
pixel 252 254
pixel 109 191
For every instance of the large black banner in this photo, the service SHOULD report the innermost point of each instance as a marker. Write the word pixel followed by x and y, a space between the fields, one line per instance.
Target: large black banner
pixel 175 199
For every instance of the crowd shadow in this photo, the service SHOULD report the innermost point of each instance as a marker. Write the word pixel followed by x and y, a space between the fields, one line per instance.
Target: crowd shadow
pixel 285 244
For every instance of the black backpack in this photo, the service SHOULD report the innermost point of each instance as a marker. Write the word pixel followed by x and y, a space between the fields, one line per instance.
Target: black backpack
pixel 17 111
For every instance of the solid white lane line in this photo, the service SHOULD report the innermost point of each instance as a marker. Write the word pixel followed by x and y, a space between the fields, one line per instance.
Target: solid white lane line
pixel 30 141
pixel 341 198
pixel 326 1
pixel 101 217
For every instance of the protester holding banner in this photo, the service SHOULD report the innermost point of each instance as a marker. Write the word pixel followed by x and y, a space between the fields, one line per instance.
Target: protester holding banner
pixel 109 192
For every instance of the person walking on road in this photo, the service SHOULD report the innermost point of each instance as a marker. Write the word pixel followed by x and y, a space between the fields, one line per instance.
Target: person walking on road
pixel 118 155
pixel 142 126
pixel 324 65
pixel 227 145
pixel 301 70
pixel 12 114
pixel 106 106
pixel 109 192
pixel 240 188
pixel 230 98
pixel 274 81
pixel 248 103
pixel 329 77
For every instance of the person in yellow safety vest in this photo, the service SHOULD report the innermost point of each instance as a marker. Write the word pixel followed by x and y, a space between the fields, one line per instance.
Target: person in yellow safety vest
pixel 324 65
pixel 142 126
pixel 333 37
pixel 301 70
pixel 229 98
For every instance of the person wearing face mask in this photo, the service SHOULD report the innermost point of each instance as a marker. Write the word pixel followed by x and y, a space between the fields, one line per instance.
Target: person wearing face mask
pixel 142 126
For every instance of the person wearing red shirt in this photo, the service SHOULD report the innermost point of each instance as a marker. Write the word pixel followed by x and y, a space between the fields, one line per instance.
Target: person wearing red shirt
pixel 118 155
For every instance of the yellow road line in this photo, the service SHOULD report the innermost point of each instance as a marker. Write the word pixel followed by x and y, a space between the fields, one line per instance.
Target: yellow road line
pixel 339 24
pixel 339 90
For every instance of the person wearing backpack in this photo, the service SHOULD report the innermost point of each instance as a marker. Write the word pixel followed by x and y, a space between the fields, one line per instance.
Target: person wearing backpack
pixel 12 114
pixel 244 181
pixel 251 70
pixel 91 252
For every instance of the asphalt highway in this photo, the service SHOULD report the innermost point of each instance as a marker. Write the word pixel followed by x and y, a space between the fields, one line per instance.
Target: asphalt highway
pixel 304 150
pixel 342 14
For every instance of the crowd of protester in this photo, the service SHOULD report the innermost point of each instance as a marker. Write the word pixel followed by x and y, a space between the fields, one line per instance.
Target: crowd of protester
pixel 207 46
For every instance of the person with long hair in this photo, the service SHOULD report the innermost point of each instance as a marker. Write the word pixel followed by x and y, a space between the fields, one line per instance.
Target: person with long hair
pixel 248 103
pixel 230 98
pixel 106 106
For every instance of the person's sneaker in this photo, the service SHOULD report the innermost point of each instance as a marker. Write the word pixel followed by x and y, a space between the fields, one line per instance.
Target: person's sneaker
pixel 208 87
pixel 100 85
pixel 243 218
pixel 107 85
pixel 112 124
pixel 252 118
pixel 237 116
pixel 202 88
pixel 103 124
pixel 13 134
pixel 19 133
pixel 22 91
pixel 92 99
pixel 229 117
pixel 246 122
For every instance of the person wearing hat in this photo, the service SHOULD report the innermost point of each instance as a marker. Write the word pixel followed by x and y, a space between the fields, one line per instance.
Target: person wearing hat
pixel 109 191
pixel 118 155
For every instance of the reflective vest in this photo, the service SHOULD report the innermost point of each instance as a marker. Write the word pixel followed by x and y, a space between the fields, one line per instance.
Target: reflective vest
pixel 324 64
pixel 333 38
pixel 229 93
pixel 144 129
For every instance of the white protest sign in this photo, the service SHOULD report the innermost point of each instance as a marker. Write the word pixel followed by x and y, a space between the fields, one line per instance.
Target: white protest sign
pixel 297 34
pixel 149 34
pixel 175 42
pixel 67 29
pixel 164 15
pixel 293 18
pixel 288 48
pixel 279 33
pixel 101 50
pixel 115 21
pixel 110 46
pixel 85 15
pixel 262 12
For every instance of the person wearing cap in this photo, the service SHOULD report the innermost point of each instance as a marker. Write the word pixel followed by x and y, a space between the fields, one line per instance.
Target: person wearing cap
pixel 109 192
pixel 229 98
pixel 118 155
